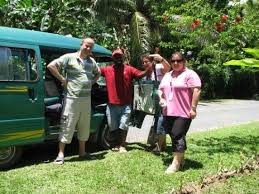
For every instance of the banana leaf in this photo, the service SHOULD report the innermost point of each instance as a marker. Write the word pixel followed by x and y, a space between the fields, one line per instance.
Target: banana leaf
pixel 252 51
pixel 248 62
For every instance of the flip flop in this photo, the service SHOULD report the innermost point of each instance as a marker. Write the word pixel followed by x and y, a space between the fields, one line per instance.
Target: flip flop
pixel 59 160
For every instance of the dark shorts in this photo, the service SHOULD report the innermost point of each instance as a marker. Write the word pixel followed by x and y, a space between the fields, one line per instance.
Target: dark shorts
pixel 177 127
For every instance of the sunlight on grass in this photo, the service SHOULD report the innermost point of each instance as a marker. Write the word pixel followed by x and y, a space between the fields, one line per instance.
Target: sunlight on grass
pixel 138 171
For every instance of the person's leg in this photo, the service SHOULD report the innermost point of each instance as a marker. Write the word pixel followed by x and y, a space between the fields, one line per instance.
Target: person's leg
pixel 124 125
pixel 61 147
pixel 68 124
pixel 161 143
pixel 83 126
pixel 113 122
pixel 178 133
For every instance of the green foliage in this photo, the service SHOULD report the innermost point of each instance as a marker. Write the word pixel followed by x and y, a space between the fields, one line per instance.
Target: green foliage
pixel 249 62
pixel 143 31
pixel 214 32
pixel 71 17
pixel 252 51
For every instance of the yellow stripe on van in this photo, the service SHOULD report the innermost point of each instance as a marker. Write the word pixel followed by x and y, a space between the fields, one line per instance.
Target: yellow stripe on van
pixel 12 90
pixel 22 135
pixel 22 89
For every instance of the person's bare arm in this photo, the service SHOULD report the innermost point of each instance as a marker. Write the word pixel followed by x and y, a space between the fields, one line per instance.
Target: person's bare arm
pixel 53 68
pixel 163 61
pixel 162 101
pixel 195 99
pixel 143 73
pixel 96 77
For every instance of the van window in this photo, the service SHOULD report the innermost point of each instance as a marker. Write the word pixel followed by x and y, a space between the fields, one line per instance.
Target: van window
pixel 17 64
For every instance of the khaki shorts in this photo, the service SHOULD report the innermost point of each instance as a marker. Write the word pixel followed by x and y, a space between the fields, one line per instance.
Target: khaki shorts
pixel 75 116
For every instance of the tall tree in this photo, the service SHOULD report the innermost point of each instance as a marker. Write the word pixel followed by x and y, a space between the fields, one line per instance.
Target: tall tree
pixel 136 14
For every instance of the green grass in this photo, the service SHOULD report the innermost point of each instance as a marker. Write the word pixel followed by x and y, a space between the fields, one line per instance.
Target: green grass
pixel 243 184
pixel 139 171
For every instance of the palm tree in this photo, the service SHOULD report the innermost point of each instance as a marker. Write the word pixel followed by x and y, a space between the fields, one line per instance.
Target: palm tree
pixel 136 14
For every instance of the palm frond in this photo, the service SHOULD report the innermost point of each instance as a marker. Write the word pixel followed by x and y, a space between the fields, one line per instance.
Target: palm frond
pixel 140 36
pixel 113 10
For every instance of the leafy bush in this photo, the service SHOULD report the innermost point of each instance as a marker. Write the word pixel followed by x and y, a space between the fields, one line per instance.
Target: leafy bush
pixel 214 32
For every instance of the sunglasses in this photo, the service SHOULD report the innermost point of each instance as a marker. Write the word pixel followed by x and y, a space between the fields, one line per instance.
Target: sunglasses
pixel 178 61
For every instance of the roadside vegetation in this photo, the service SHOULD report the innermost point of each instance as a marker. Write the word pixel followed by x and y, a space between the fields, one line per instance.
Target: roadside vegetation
pixel 208 32
pixel 139 171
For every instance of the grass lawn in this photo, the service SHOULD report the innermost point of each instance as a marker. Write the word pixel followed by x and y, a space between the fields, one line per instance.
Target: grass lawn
pixel 139 171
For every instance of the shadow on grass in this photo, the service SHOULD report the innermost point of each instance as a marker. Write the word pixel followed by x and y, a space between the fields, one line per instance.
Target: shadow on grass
pixel 47 153
pixel 95 156
pixel 166 156
pixel 209 146
pixel 230 144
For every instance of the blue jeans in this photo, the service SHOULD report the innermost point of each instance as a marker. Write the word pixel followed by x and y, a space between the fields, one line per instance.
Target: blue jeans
pixel 159 128
pixel 118 116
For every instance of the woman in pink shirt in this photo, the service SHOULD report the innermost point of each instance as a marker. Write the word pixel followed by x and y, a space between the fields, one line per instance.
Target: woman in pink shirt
pixel 179 93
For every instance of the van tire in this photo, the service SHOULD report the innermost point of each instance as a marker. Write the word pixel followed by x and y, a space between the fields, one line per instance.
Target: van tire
pixel 105 140
pixel 9 156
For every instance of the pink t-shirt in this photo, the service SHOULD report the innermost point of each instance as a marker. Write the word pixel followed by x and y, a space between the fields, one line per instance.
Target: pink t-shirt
pixel 178 93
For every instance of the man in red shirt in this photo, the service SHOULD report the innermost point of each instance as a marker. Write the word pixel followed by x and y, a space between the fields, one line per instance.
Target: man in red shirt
pixel 119 78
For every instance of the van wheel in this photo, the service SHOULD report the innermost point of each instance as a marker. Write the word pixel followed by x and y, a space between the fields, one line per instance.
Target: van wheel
pixel 106 139
pixel 9 156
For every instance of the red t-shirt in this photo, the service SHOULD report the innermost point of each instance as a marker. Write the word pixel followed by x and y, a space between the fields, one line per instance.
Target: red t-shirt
pixel 119 83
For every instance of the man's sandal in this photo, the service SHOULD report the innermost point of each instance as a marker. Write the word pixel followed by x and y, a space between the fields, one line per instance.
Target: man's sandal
pixel 59 160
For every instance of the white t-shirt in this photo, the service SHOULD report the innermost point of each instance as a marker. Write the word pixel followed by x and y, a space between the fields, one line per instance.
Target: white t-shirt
pixel 159 74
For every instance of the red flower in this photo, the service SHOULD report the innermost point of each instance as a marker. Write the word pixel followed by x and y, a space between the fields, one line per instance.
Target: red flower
pixel 220 28
pixel 224 18
pixel 193 26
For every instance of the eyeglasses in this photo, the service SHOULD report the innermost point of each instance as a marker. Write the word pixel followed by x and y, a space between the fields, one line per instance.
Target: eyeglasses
pixel 177 61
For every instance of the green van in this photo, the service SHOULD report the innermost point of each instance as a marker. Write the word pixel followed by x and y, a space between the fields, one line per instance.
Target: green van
pixel 30 97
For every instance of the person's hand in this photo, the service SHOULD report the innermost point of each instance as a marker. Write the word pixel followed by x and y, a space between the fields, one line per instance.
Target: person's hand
pixel 162 102
pixel 157 57
pixel 193 113
pixel 64 82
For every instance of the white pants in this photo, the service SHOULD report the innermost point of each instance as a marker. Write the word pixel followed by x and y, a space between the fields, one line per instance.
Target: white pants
pixel 76 115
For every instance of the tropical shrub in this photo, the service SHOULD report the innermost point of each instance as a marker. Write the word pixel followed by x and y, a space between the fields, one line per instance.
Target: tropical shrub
pixel 213 32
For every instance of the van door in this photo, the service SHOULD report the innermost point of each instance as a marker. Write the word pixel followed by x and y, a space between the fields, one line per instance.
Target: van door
pixel 21 95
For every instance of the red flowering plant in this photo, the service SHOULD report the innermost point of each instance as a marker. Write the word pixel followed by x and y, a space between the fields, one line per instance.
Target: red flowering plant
pixel 213 35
